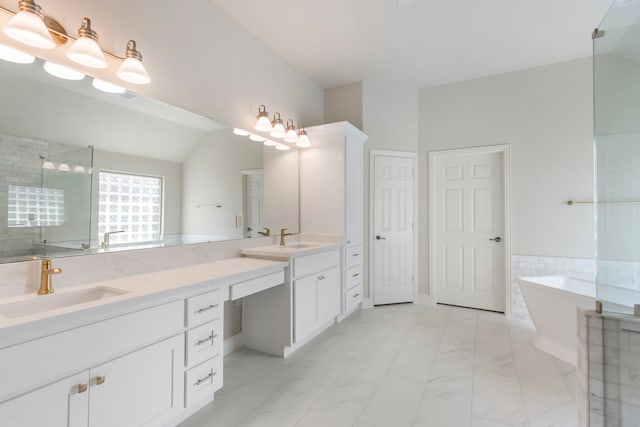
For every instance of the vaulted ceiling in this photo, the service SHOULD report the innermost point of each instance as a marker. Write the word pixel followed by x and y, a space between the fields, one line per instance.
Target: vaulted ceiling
pixel 419 43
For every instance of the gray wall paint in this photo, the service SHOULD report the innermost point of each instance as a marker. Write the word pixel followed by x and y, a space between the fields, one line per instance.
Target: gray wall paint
pixel 545 115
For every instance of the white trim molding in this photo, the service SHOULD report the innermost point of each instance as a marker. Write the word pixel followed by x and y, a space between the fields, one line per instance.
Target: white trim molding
pixel 505 150
pixel 233 343
pixel 403 154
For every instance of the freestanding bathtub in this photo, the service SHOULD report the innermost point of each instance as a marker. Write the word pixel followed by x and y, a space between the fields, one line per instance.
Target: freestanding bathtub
pixel 552 303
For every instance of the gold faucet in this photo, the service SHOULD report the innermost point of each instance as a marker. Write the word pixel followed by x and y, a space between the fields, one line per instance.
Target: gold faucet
pixel 266 232
pixel 46 284
pixel 282 234
pixel 105 242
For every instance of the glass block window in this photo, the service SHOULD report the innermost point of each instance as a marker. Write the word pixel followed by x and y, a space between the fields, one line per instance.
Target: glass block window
pixel 131 203
pixel 35 206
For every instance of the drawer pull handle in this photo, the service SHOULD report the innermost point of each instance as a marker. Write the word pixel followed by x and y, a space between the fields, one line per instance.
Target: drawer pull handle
pixel 211 307
pixel 355 274
pixel 209 338
pixel 100 379
pixel 356 295
pixel 82 388
pixel 355 255
pixel 207 378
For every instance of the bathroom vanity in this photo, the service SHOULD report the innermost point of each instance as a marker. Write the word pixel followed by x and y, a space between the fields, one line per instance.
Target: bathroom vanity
pixel 149 352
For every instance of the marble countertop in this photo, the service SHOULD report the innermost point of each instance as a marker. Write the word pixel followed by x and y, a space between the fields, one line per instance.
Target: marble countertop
pixel 289 250
pixel 133 293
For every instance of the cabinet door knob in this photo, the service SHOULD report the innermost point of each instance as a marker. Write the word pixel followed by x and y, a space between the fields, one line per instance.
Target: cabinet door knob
pixel 82 387
pixel 100 379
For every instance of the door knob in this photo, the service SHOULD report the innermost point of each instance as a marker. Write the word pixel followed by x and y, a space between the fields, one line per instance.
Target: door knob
pixel 497 239
pixel 380 238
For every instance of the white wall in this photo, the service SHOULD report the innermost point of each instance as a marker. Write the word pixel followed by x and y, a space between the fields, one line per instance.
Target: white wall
pixel 545 114
pixel 344 103
pixel 211 175
pixel 198 58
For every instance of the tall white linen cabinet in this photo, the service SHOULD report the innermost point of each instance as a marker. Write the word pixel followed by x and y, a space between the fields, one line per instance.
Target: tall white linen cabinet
pixel 331 198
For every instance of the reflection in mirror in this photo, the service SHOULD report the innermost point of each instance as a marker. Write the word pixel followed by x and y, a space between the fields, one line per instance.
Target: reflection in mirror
pixel 152 174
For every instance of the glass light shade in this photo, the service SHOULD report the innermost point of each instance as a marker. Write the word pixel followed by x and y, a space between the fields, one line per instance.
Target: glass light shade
pixel 11 54
pixel 303 141
pixel 85 51
pixel 240 132
pixel 263 124
pixel 64 167
pixel 79 169
pixel 270 143
pixel 28 28
pixel 256 138
pixel 62 72
pixel 48 165
pixel 291 136
pixel 131 70
pixel 278 131
pixel 282 147
pixel 107 86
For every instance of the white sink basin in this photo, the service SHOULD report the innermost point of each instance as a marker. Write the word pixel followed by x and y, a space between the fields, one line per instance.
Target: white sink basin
pixel 287 251
pixel 299 245
pixel 42 303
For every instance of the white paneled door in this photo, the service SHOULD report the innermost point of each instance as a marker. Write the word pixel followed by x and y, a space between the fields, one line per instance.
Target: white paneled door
pixel 469 230
pixel 254 194
pixel 393 227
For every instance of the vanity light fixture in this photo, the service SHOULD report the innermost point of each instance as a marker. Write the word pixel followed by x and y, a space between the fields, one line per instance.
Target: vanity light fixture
pixel 270 143
pixel 278 127
pixel 263 124
pixel 64 167
pixel 292 135
pixel 282 147
pixel 107 86
pixel 303 139
pixel 85 50
pixel 240 132
pixel 11 54
pixel 131 70
pixel 256 138
pixel 62 72
pixel 48 165
pixel 79 169
pixel 28 27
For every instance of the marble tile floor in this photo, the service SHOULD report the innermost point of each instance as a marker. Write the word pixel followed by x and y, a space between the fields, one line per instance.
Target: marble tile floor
pixel 401 365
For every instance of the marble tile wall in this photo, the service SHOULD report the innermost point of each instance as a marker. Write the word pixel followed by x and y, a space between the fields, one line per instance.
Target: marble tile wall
pixel 20 164
pixel 528 265
pixel 609 369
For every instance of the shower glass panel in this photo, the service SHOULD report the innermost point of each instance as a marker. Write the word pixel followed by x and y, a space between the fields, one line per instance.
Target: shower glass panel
pixel 616 47
pixel 63 211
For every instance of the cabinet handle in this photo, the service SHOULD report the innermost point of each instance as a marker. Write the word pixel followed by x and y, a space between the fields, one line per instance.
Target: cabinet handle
pixel 205 379
pixel 211 307
pixel 82 388
pixel 100 379
pixel 355 275
pixel 209 338
pixel 355 255
pixel 321 277
pixel 356 295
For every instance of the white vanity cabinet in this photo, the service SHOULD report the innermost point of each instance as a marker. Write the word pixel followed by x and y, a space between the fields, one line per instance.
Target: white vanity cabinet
pixel 316 302
pixel 138 387
pixel 331 198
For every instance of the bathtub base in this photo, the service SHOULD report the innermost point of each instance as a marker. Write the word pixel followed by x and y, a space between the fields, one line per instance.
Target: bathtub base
pixel 556 350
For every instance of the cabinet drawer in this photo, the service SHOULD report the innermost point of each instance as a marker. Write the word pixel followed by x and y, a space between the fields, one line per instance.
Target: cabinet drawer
pixel 310 264
pixel 240 290
pixel 353 297
pixel 202 381
pixel 354 255
pixel 353 276
pixel 204 308
pixel 204 342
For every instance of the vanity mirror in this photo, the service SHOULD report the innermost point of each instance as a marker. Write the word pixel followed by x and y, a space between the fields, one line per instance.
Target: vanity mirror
pixel 84 171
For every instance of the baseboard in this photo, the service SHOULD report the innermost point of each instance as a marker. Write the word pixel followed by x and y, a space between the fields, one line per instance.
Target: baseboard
pixel 366 303
pixel 233 343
